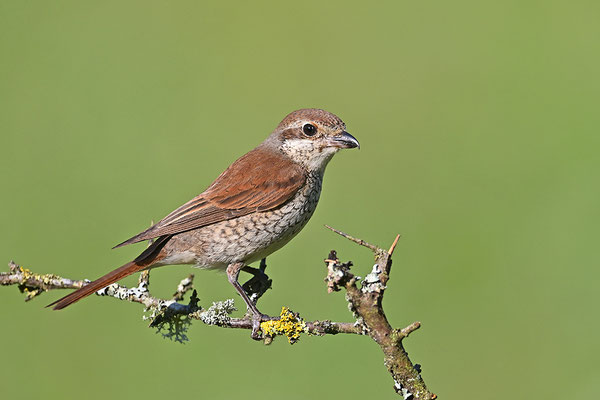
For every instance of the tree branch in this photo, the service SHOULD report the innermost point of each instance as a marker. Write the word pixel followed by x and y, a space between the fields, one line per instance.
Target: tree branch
pixel 172 318
pixel 366 305
pixel 163 311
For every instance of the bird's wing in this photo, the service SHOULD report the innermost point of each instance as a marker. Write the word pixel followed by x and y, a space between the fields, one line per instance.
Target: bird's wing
pixel 260 180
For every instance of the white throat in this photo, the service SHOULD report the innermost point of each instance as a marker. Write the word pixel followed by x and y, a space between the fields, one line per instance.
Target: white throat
pixel 308 153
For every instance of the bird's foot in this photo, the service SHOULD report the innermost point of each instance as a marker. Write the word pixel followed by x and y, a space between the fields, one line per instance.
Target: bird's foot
pixel 256 321
pixel 261 280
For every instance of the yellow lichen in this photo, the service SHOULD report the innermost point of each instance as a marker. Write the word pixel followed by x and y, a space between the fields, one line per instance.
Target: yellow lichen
pixel 44 279
pixel 26 273
pixel 289 325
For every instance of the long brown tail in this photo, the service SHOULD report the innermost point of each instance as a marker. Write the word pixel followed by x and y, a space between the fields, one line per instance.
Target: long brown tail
pixel 147 258
pixel 100 283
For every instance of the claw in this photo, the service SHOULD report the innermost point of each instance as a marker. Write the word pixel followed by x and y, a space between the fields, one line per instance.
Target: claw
pixel 256 321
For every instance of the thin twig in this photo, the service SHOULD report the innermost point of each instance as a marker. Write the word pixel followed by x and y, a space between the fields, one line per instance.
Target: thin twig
pixel 184 286
pixel 353 239
pixel 144 279
pixel 410 329
pixel 393 246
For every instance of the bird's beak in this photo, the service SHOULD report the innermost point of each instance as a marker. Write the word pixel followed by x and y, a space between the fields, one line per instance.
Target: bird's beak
pixel 344 141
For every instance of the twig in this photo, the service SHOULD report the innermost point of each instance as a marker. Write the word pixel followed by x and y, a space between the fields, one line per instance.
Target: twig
pixel 410 329
pixel 35 284
pixel 393 246
pixel 355 240
pixel 183 287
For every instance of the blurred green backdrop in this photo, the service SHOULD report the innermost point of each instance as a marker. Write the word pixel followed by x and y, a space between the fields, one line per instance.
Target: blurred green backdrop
pixel 479 130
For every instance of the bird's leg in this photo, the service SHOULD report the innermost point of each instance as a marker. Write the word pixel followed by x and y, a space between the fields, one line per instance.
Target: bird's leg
pixel 233 272
pixel 256 286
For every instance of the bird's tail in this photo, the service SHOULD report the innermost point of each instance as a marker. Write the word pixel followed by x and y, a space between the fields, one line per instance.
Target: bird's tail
pixel 100 283
pixel 150 256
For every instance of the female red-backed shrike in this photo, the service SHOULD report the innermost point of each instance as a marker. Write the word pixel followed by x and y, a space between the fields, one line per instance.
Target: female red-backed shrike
pixel 251 210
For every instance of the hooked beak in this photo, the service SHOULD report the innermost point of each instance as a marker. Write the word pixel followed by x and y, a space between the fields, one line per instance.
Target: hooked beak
pixel 344 141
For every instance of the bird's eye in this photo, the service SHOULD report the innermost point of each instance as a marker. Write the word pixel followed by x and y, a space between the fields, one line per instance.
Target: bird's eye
pixel 309 130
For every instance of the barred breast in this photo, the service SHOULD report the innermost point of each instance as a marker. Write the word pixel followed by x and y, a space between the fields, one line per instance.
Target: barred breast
pixel 248 238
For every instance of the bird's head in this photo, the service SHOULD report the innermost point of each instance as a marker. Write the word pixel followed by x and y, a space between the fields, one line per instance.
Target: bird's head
pixel 311 137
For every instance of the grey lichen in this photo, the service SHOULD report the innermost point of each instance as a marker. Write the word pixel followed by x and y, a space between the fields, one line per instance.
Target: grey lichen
pixel 372 282
pixel 218 313
pixel 124 293
pixel 361 323
pixel 406 394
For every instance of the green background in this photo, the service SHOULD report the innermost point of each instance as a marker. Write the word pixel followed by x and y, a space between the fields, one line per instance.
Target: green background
pixel 478 123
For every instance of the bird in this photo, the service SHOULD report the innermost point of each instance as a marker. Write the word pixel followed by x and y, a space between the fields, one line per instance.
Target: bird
pixel 254 208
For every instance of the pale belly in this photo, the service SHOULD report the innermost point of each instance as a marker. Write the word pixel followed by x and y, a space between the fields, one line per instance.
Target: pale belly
pixel 245 239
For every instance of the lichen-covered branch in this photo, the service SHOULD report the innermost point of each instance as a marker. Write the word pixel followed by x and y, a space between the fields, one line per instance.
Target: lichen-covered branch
pixel 35 284
pixel 172 317
pixel 169 316
pixel 365 302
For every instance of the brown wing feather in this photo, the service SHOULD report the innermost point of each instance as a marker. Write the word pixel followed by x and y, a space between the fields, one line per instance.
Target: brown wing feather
pixel 260 180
